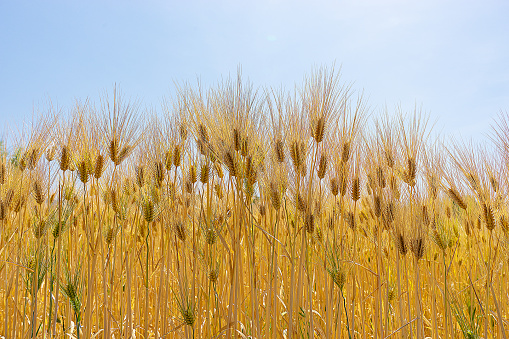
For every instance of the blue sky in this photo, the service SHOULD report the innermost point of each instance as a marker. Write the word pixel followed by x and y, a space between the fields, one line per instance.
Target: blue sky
pixel 449 57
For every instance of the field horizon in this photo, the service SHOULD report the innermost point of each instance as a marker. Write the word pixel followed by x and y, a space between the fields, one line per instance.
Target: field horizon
pixel 252 213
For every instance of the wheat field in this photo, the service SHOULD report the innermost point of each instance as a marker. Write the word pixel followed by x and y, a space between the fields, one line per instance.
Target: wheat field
pixel 236 212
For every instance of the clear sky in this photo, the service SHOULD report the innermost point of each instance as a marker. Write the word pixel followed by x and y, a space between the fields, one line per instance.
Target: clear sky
pixel 450 57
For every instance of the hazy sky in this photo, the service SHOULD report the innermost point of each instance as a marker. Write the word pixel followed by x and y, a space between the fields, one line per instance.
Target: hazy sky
pixel 449 57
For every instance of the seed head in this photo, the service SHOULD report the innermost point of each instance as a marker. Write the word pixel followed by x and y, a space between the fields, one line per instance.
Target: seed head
pixel 3 210
pixel 3 173
pixel 109 235
pixel 303 169
pixel 202 133
pixel 210 236
pixel 322 166
pixel 279 150
pixel 115 201
pixel 114 150
pixel 262 210
pixel 204 173
pixel 189 186
pixel 39 228
pixel 230 163
pixel 236 139
pixel 389 159
pixel 192 174
pixel 389 212
pixel 394 188
pixel 319 130
pixel 180 231
pixel 129 187
pixel 244 147
pixel 57 229
pixel 251 172
pixel 401 243
pixel 473 180
pixel 143 231
pixel 9 196
pixel 70 291
pixel 159 173
pixel 65 158
pixel 188 316
pixel 309 223
pixel 297 154
pixel 275 197
pixel 168 160
pixel 50 153
pixel 23 162
pixel 99 166
pixel 82 169
pixel 32 158
pixel 148 210
pixel 345 154
pixel 140 175
pixel 38 192
pixel 124 153
pixel 334 186
pixel 411 171
pixel 377 206
pixel 456 197
pixel 19 201
pixel 338 277
pixel 392 293
pixel 183 131
pixel 425 215
pixel 489 217
pixel 356 189
pixel 213 275
pixel 350 218
pixel 417 246
pixel 177 156
pixel 439 239
pixel 219 191
pixel 380 177
pixel 301 203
